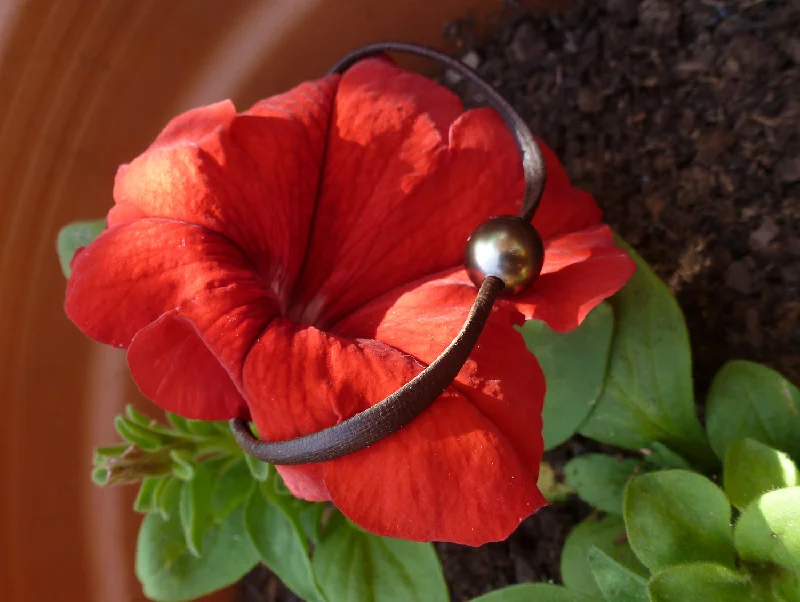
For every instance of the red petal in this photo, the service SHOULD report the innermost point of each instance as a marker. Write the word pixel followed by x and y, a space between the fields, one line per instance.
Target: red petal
pixel 401 191
pixel 300 380
pixel 501 377
pixel 580 271
pixel 306 481
pixel 132 274
pixel 577 247
pixel 252 178
pixel 189 129
pixel 448 476
pixel 193 126
pixel 172 365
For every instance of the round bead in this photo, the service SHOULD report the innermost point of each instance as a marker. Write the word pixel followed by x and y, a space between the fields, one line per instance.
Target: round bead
pixel 508 248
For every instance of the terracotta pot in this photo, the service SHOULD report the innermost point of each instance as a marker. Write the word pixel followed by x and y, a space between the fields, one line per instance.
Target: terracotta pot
pixel 85 87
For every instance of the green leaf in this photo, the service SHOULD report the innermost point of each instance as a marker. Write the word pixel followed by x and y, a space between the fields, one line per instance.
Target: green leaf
pixel 204 428
pixel 161 482
pixel 769 529
pixel 111 451
pixel 552 489
pixel 701 581
pixel 786 586
pixel 277 493
pixel 310 516
pixel 232 488
pixel 281 544
pixel 750 400
pixel 606 534
pixel 260 470
pixel 136 416
pixel 167 495
pixel 677 517
pixel 179 423
pixel 600 479
pixel 648 390
pixel 195 506
pixel 661 456
pixel 752 469
pixel 137 434
pixel 74 236
pixel 535 592
pixel 169 572
pixel 357 566
pixel 771 583
pixel 100 476
pixel 145 499
pixel 182 464
pixel 572 386
pixel 616 583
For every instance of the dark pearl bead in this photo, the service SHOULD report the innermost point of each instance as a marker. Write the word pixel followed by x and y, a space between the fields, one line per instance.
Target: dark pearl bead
pixel 508 248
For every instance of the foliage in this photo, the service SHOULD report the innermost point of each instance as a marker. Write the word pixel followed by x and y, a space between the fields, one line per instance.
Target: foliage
pixel 690 513
pixel 73 237
pixel 682 512
pixel 212 514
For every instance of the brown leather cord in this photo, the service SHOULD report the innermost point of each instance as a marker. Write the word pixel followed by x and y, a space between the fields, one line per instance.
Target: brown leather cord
pixel 401 407
pixel 388 416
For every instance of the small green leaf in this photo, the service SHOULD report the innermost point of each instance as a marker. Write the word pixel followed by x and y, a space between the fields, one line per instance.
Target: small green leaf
pixel 169 572
pixel 161 483
pixel 145 499
pixel 182 464
pixel 552 489
pixel 607 534
pixel 204 428
pixel 100 476
pixel 137 417
pixel 769 529
pixel 574 386
pixel 786 586
pixel 677 517
pixel 616 583
pixel 535 592
pixel 195 506
pixel 701 581
pixel 661 456
pixel 750 400
pixel 260 470
pixel 232 488
pixel 357 566
pixel 167 496
pixel 281 544
pixel 74 236
pixel 310 516
pixel 291 506
pixel 111 451
pixel 137 434
pixel 600 479
pixel 752 469
pixel 179 423
pixel 189 520
pixel 648 392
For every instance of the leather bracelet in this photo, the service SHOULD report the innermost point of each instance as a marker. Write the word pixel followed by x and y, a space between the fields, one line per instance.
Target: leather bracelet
pixel 504 255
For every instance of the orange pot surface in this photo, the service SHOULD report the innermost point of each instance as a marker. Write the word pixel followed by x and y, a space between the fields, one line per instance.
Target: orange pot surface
pixel 84 87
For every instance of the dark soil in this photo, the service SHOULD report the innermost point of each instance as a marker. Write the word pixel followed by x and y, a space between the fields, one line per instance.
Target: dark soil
pixel 681 118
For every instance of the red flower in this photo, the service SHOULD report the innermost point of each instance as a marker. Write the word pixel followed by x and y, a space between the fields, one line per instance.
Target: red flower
pixel 298 262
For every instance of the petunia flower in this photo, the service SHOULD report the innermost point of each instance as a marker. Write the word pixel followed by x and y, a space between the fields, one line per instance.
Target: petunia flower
pixel 297 262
